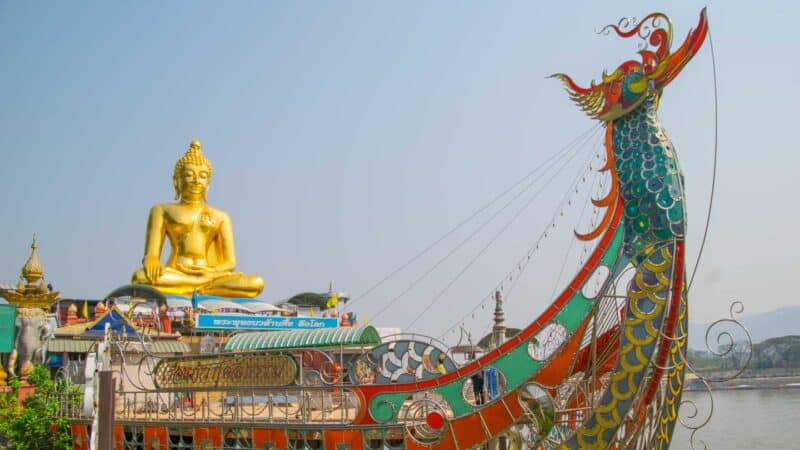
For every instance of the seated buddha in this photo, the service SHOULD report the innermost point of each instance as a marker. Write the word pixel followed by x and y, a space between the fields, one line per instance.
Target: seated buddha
pixel 200 237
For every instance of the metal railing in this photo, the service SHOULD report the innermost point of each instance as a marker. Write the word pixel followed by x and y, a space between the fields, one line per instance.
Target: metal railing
pixel 291 405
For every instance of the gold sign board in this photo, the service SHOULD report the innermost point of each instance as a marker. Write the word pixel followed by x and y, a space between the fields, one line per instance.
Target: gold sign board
pixel 234 370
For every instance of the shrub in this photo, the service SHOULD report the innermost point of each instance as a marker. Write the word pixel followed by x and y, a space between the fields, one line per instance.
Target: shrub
pixel 36 423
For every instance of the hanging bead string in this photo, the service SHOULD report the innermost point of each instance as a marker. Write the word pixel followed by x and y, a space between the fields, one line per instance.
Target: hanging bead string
pixel 600 156
pixel 571 243
pixel 599 185
pixel 597 179
pixel 491 241
pixel 546 165
pixel 586 245
pixel 514 274
pixel 563 158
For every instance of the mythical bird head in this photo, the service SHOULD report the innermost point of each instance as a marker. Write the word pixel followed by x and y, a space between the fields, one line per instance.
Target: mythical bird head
pixel 624 89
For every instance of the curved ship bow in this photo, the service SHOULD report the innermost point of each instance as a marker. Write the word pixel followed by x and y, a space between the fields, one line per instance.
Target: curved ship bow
pixel 634 412
pixel 587 373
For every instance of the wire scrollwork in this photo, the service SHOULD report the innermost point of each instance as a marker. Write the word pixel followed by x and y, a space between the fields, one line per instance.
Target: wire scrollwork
pixel 721 341
pixel 653 31
pixel 723 332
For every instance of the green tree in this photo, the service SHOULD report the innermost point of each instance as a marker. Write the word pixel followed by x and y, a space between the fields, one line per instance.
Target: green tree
pixel 37 423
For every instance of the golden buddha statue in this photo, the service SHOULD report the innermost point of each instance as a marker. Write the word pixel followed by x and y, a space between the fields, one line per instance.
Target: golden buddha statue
pixel 201 238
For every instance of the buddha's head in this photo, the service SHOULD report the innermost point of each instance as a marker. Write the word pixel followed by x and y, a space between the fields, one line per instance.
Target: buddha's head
pixel 192 174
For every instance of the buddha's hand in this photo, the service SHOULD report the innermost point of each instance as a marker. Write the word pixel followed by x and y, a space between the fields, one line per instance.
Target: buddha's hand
pixel 153 269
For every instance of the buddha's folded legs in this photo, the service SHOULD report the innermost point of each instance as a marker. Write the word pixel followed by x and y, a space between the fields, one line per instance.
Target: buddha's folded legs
pixel 234 285
pixel 173 282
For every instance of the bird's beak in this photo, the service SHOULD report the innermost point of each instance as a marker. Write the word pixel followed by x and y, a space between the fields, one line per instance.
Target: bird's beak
pixel 675 62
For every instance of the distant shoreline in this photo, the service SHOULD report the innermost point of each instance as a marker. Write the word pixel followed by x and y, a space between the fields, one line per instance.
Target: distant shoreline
pixel 694 384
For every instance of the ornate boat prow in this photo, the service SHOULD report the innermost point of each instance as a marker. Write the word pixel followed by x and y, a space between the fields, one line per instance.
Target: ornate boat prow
pixel 588 372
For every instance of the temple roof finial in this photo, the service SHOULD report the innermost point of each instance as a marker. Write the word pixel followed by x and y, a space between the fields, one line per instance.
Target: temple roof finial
pixel 32 290
pixel 32 270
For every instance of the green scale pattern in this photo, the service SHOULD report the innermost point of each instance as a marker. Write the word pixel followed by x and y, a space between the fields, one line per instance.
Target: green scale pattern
pixel 650 180
pixel 651 185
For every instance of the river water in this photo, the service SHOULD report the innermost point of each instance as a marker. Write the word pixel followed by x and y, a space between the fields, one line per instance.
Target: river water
pixel 745 419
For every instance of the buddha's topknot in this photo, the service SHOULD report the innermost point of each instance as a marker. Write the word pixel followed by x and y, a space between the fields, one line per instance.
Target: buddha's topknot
pixel 194 155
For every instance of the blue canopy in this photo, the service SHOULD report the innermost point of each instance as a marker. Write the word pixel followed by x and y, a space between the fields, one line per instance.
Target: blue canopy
pixel 116 320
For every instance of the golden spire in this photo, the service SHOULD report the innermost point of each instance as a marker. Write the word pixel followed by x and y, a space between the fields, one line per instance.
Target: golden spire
pixel 42 289
pixel 32 270
pixel 35 294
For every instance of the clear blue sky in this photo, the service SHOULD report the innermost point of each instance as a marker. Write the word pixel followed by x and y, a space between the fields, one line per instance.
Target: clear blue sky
pixel 346 136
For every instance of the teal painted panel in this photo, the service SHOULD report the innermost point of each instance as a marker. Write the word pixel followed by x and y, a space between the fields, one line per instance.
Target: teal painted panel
pixel 8 315
pixel 612 254
pixel 452 393
pixel 384 407
pixel 573 313
pixel 517 366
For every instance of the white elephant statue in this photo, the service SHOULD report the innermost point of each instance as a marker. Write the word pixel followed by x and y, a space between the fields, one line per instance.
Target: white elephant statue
pixel 31 332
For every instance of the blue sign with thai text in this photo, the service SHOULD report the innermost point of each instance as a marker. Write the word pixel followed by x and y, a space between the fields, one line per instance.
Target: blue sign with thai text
pixel 240 322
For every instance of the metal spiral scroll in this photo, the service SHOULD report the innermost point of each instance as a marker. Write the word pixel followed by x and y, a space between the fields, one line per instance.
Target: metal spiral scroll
pixel 647 30
pixel 119 342
pixel 724 339
pixel 119 345
pixel 720 331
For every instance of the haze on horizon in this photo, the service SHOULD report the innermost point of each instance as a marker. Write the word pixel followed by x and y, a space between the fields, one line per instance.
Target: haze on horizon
pixel 346 137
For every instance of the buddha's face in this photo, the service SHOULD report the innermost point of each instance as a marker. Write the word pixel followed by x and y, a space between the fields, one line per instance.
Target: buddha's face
pixel 192 181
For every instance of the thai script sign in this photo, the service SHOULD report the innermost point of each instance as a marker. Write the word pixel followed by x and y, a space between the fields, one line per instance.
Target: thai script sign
pixel 234 370
pixel 237 322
